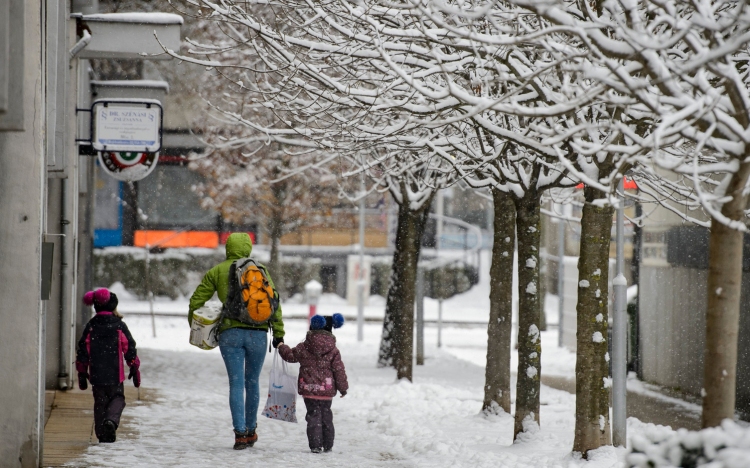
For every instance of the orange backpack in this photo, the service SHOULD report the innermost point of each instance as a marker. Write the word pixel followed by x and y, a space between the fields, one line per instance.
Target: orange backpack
pixel 251 299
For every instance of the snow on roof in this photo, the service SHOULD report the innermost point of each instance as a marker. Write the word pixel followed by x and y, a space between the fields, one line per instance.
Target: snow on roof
pixel 142 18
pixel 133 84
pixel 137 101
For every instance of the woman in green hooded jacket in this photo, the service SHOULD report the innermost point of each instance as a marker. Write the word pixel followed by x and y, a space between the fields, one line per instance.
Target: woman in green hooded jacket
pixel 242 346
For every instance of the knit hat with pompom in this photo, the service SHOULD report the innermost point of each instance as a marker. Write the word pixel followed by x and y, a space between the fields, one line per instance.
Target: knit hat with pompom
pixel 327 323
pixel 102 299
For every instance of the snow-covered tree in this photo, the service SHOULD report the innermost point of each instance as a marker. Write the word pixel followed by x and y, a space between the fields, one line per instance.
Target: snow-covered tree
pixel 683 65
pixel 355 70
pixel 269 188
pixel 413 192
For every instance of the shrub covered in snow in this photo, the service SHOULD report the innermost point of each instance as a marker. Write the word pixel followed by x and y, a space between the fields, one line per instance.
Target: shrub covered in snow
pixel 177 272
pixel 441 282
pixel 727 446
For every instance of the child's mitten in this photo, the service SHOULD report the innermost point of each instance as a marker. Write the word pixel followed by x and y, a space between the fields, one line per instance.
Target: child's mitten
pixel 135 372
pixel 83 380
pixel 83 374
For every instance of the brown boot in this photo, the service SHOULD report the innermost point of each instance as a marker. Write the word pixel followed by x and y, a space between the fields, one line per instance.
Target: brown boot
pixel 252 438
pixel 241 440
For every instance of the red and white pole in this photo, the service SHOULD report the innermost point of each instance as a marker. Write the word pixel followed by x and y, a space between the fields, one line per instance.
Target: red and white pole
pixel 313 308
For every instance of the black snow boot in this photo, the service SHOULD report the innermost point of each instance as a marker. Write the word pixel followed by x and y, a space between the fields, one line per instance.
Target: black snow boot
pixel 109 432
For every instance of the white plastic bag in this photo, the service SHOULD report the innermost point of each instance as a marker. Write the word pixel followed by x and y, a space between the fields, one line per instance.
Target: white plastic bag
pixel 282 393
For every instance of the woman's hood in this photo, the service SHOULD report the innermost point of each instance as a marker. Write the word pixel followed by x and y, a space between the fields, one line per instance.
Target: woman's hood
pixel 239 245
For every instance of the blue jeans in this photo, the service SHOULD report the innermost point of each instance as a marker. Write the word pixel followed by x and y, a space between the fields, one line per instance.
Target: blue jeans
pixel 243 351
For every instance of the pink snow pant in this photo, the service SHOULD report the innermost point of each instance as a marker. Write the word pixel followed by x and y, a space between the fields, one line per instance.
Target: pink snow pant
pixel 319 419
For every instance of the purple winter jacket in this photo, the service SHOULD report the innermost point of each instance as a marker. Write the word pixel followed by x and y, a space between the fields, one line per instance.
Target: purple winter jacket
pixel 321 371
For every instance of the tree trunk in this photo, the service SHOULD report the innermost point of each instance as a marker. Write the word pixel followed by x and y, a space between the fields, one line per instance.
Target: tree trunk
pixel 393 300
pixel 274 264
pixel 528 222
pixel 397 339
pixel 275 231
pixel 499 327
pixel 723 308
pixel 592 369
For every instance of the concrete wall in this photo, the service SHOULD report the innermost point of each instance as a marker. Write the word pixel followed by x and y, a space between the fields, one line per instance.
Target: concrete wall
pixel 673 326
pixel 21 310
pixel 673 330
pixel 52 318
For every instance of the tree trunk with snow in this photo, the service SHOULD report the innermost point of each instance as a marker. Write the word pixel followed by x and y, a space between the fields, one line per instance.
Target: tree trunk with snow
pixel 528 222
pixel 274 263
pixel 592 359
pixel 723 307
pixel 397 342
pixel 499 327
pixel 393 302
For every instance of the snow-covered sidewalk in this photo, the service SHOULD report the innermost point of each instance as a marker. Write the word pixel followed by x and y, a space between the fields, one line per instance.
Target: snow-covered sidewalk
pixel 434 422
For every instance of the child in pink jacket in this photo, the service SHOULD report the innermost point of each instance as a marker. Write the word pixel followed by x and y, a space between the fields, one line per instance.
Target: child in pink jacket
pixel 104 344
pixel 321 374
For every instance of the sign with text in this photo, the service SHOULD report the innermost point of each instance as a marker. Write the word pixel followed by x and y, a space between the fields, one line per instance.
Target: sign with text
pixel 127 125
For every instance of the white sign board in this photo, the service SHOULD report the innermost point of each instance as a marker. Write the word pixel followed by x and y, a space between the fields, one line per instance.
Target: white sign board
pixel 127 125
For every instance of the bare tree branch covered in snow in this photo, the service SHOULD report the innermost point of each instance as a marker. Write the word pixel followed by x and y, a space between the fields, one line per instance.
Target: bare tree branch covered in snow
pixel 521 97
pixel 684 67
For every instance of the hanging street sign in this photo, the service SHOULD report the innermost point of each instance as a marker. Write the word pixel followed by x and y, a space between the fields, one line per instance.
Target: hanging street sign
pixel 128 125
pixel 128 166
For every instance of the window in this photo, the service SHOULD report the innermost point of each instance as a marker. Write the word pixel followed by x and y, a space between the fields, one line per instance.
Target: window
pixel 166 200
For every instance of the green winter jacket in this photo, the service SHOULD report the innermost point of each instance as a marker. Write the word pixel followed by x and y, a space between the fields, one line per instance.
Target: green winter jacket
pixel 216 280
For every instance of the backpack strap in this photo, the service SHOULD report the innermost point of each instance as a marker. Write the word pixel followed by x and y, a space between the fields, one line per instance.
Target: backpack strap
pixel 231 292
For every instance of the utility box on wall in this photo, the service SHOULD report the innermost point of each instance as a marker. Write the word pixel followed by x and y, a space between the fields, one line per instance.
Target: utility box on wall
pixel 131 35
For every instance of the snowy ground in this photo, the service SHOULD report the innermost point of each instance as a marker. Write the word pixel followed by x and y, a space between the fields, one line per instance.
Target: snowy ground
pixel 433 422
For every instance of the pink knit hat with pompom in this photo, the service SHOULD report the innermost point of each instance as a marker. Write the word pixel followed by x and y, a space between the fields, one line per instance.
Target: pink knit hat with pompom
pixel 102 299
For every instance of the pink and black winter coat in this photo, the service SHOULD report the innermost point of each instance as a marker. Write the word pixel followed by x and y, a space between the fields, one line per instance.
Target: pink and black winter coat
pixel 105 342
pixel 321 371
